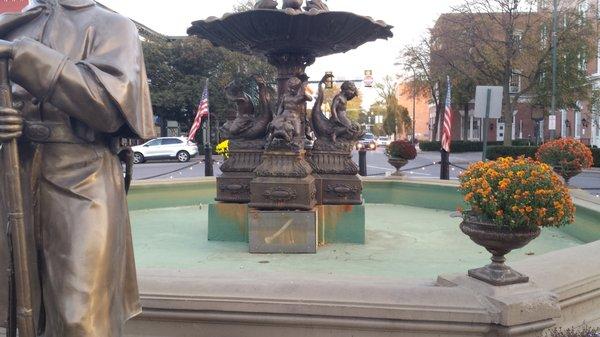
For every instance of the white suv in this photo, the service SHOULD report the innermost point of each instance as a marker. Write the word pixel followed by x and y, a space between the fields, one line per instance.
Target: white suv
pixel 165 148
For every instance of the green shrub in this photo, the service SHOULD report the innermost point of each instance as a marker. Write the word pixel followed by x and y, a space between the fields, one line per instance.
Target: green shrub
pixel 460 146
pixel 495 152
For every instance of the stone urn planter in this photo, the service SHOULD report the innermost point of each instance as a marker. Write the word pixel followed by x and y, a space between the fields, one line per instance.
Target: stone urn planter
pixel 399 152
pixel 510 200
pixel 397 163
pixel 499 241
pixel 567 156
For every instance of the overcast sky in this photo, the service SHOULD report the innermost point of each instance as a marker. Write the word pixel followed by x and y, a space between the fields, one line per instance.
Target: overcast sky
pixel 410 19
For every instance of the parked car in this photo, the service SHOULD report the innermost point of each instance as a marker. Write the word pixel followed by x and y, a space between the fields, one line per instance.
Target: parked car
pixel 367 142
pixel 383 141
pixel 179 148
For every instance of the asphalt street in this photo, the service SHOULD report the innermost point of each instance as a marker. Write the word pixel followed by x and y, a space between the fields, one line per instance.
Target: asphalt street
pixel 423 167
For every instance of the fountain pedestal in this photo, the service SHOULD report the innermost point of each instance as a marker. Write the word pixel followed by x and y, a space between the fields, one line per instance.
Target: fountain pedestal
pixel 336 174
pixel 238 171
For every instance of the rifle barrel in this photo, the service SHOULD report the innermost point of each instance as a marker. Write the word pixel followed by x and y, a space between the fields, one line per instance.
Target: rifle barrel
pixel 16 220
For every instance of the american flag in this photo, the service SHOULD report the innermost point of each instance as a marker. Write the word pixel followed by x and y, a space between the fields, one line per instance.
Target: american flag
pixel 200 114
pixel 447 131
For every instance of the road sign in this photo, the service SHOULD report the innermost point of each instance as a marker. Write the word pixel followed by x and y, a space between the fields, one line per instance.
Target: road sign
pixel 481 99
pixel 552 122
pixel 368 81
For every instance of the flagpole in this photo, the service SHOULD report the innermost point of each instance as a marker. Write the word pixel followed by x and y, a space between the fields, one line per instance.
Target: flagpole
pixel 208 161
pixel 446 135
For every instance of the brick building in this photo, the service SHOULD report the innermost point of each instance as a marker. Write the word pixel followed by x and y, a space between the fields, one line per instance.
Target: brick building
pixel 582 123
pixel 12 5
pixel 405 99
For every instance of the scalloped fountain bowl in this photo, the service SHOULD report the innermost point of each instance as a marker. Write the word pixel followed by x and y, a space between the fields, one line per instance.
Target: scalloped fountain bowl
pixel 273 32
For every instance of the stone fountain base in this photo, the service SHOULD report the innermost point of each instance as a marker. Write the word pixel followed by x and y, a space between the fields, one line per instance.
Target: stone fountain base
pixel 282 232
pixel 334 223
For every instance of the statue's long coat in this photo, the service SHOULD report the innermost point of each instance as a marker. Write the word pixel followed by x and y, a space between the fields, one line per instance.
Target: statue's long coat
pixel 79 65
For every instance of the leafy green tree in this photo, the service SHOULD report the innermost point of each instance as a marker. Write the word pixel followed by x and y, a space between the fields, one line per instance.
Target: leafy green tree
pixel 397 119
pixel 572 78
pixel 178 70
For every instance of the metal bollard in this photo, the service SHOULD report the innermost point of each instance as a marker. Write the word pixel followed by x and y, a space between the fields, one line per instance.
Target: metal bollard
pixel 362 162
pixel 445 166
pixel 208 161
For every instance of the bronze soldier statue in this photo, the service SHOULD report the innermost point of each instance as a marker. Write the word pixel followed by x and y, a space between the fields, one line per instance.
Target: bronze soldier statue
pixel 79 85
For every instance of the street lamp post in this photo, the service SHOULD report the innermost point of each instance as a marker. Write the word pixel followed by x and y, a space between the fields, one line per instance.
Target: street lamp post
pixel 554 61
pixel 414 122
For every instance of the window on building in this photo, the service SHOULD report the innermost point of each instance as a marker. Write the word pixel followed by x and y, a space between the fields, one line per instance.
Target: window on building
pixel 515 82
pixel 563 123
pixel 577 124
pixel 544 35
pixel 542 77
pixel 577 120
pixel 583 7
pixel 517 37
pixel 582 60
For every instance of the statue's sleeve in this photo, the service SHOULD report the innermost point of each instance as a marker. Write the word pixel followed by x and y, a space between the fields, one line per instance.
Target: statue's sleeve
pixel 106 90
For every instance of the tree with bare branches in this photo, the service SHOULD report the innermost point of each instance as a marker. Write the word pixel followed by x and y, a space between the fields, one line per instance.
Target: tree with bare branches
pixel 505 43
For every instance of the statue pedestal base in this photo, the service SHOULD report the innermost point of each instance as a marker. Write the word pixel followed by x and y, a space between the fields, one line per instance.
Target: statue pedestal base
pixel 283 180
pixel 282 232
pixel 338 189
pixel 238 170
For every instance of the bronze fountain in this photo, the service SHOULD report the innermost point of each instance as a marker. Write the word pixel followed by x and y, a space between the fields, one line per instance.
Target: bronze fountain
pixel 270 167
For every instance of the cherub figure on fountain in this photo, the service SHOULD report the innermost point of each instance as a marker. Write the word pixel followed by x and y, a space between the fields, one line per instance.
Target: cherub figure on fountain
pixel 287 125
pixel 339 125
pixel 293 5
pixel 266 4
pixel 331 156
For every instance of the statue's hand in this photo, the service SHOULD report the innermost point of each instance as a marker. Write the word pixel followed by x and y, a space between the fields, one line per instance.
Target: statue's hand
pixel 6 49
pixel 11 124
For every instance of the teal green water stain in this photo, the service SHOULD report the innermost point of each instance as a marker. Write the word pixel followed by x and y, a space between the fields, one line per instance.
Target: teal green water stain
pixel 402 242
pixel 430 196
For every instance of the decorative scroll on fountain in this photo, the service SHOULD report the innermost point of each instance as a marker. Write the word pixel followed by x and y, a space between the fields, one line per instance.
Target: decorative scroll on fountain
pixel 285 177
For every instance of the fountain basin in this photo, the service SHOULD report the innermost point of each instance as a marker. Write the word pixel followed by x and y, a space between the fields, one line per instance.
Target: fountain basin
pixel 390 286
pixel 274 32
